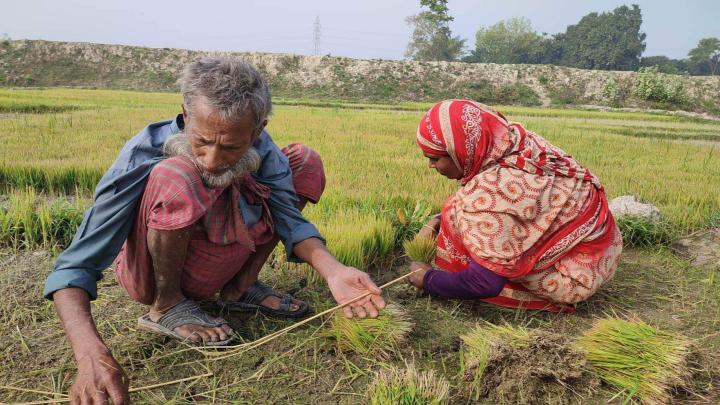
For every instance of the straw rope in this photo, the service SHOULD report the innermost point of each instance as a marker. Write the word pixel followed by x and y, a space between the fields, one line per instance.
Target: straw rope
pixel 234 350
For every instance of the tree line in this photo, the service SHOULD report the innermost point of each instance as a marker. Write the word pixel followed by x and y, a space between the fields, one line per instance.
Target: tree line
pixel 607 41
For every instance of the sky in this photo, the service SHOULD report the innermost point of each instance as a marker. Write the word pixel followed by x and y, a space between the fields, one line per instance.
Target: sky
pixel 366 29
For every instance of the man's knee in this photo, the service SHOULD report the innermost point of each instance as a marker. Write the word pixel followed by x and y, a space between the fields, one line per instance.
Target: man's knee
pixel 308 172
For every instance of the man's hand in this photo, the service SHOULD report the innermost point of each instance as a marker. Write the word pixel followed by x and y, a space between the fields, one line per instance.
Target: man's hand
pixel 347 283
pixel 99 376
pixel 417 278
pixel 99 379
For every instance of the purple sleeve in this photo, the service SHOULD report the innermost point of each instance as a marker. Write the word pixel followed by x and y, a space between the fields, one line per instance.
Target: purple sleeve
pixel 474 282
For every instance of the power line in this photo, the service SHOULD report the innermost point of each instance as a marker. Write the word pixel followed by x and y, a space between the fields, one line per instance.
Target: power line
pixel 316 35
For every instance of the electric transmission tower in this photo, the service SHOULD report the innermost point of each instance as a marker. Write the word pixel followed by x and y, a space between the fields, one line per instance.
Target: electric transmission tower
pixel 316 35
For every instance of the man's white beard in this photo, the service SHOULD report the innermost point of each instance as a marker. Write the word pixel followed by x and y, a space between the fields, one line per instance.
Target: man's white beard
pixel 179 145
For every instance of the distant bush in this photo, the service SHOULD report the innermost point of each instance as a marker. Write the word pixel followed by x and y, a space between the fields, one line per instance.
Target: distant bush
pixel 651 85
pixel 516 93
pixel 564 94
pixel 611 90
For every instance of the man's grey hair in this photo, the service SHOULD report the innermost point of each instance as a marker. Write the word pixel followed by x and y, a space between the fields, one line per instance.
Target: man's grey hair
pixel 231 85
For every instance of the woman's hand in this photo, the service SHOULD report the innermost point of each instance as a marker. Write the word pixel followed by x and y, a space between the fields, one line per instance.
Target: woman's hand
pixel 430 229
pixel 416 277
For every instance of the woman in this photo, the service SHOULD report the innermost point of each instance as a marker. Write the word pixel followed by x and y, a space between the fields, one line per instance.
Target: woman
pixel 529 227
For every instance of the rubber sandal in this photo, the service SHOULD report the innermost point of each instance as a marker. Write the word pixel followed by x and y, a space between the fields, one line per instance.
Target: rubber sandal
pixel 250 301
pixel 187 312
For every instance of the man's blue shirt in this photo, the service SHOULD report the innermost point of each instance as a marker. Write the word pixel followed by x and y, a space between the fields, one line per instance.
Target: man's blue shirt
pixel 107 223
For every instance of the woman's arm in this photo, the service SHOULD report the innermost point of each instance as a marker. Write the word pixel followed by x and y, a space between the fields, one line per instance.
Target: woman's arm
pixel 473 283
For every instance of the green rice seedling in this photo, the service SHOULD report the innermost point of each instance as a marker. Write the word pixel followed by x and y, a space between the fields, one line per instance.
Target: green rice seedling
pixel 644 363
pixel 629 152
pixel 407 387
pixel 45 220
pixel 65 180
pixel 370 336
pixel 357 239
pixel 6 228
pixel 640 231
pixel 409 222
pixel 21 213
pixel 32 221
pixel 66 217
pixel 479 343
pixel 420 249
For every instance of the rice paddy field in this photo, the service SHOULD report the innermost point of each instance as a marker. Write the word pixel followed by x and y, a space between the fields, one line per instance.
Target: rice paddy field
pixel 56 143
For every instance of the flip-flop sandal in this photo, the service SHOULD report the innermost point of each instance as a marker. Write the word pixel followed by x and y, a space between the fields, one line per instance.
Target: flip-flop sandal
pixel 251 299
pixel 187 312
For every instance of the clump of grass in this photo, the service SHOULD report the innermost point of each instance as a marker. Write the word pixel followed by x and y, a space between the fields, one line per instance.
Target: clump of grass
pixel 420 249
pixel 640 231
pixel 479 343
pixel 408 387
pixel 643 362
pixel 378 336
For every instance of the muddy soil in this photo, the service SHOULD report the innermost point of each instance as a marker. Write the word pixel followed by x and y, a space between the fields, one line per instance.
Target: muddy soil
pixel 702 248
pixel 548 370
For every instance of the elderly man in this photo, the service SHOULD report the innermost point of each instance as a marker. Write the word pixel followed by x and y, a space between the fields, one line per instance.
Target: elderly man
pixel 194 206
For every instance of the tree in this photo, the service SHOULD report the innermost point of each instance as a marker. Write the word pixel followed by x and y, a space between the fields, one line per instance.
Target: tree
pixel 431 38
pixel 705 56
pixel 663 64
pixel 610 41
pixel 509 41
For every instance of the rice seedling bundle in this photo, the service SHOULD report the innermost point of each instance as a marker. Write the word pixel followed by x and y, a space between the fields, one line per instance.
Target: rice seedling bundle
pixel 644 363
pixel 420 249
pixel 370 336
pixel 407 387
pixel 479 343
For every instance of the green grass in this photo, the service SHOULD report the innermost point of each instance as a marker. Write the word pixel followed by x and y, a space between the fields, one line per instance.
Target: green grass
pixel 640 231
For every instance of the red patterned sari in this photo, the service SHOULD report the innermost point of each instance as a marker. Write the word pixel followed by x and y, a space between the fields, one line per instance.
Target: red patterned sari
pixel 525 209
